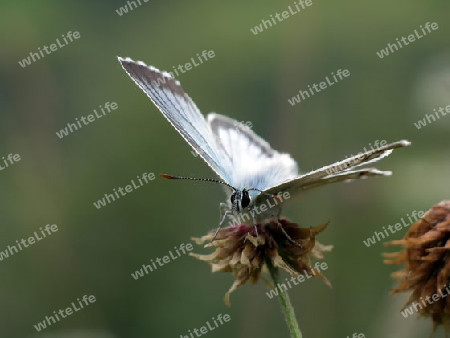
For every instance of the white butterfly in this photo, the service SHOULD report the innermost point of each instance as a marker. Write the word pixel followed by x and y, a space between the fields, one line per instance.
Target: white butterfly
pixel 249 168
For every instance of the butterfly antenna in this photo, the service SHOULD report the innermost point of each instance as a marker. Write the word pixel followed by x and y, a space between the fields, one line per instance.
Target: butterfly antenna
pixel 171 177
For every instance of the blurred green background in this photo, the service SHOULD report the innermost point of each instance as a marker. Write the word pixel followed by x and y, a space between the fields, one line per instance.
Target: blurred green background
pixel 250 79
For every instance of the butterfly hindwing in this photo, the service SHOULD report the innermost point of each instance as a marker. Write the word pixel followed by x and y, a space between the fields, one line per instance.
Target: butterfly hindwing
pixel 338 171
pixel 255 164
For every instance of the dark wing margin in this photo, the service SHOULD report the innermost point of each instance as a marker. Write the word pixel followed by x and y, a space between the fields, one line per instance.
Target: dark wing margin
pixel 179 109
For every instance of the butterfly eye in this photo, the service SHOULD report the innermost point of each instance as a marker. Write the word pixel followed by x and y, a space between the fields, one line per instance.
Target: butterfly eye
pixel 233 197
pixel 245 201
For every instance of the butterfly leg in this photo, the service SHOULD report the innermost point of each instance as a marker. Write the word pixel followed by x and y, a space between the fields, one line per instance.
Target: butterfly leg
pixel 224 212
pixel 255 225
pixel 220 224
pixel 255 240
pixel 277 219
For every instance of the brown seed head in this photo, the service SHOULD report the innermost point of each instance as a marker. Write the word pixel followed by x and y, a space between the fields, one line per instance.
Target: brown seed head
pixel 426 259
pixel 237 251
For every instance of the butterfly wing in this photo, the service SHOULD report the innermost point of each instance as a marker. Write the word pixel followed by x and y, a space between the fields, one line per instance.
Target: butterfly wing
pixel 339 171
pixel 346 176
pixel 255 164
pixel 182 113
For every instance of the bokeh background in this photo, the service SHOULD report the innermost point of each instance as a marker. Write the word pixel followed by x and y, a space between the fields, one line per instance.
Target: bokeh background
pixel 250 78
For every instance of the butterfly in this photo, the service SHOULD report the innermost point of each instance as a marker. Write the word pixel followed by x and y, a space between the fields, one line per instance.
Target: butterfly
pixel 249 168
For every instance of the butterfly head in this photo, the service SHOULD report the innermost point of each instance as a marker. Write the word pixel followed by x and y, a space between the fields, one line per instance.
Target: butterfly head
pixel 240 199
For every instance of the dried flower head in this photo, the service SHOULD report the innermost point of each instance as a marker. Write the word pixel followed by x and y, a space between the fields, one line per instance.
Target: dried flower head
pixel 237 251
pixel 426 256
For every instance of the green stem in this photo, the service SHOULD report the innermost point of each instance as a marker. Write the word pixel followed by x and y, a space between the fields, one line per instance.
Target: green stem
pixel 286 305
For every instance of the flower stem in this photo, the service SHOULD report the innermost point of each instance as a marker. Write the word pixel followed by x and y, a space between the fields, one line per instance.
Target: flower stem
pixel 286 305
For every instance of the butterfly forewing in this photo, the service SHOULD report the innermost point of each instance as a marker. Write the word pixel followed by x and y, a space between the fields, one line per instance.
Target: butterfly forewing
pixel 179 109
